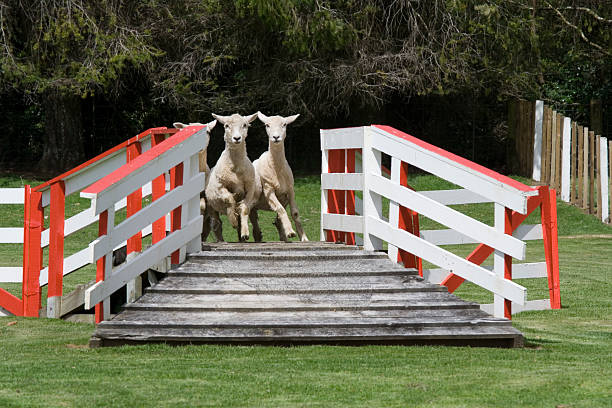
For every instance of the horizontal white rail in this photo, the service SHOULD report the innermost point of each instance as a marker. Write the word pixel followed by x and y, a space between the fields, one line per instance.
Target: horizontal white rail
pixel 141 262
pixel 525 270
pixel 345 138
pixel 438 256
pixel 530 305
pixel 450 170
pixel 341 222
pixel 141 219
pixel 528 232
pixel 447 216
pixel 11 274
pixel 11 195
pixel 11 235
pixel 458 196
pixel 342 181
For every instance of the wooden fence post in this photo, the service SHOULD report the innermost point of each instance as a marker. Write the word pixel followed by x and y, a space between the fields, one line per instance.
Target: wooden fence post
pixel 372 203
pixel 56 249
pixel 32 252
pixel 336 203
pixel 585 168
pixel 574 170
pixel 603 179
pixel 592 167
pixel 159 189
pixel 134 244
pixel 104 265
pixel 176 179
pixel 537 141
pixel 566 161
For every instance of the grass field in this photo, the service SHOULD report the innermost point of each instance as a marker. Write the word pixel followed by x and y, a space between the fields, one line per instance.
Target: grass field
pixel 567 361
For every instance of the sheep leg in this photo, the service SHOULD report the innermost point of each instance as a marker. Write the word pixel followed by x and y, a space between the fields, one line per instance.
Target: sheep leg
pixel 295 214
pixel 243 224
pixel 254 217
pixel 207 220
pixel 217 226
pixel 279 228
pixel 278 208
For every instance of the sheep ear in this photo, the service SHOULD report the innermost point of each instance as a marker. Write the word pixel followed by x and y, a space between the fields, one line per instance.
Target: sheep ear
pixel 179 125
pixel 291 119
pixel 262 117
pixel 221 119
pixel 211 125
pixel 251 118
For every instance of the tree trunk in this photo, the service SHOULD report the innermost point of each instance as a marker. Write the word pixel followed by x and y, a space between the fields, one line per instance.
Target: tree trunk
pixel 63 148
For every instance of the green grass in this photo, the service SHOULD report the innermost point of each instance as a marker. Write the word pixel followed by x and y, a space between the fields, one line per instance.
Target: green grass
pixel 567 362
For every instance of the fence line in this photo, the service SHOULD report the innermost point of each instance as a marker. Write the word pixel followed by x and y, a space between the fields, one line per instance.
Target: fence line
pixel 568 157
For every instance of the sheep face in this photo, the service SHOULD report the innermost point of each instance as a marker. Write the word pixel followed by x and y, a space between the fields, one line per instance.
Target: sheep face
pixel 236 127
pixel 209 126
pixel 276 126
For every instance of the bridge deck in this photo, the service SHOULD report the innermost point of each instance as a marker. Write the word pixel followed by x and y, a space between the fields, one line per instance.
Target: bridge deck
pixel 300 293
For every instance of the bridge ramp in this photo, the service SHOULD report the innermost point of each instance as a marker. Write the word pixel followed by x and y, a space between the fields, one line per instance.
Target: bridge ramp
pixel 300 293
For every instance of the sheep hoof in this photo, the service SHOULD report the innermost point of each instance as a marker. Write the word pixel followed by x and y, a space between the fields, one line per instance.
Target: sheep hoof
pixel 244 238
pixel 291 234
pixel 304 238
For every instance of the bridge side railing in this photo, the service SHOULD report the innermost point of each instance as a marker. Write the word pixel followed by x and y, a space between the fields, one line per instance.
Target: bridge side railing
pixel 179 155
pixel 48 201
pixel 512 201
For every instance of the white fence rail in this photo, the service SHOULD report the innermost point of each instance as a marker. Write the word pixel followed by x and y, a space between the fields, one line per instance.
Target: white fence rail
pixel 182 149
pixel 479 185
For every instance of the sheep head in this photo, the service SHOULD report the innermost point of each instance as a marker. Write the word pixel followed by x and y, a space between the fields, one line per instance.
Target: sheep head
pixel 236 127
pixel 209 126
pixel 276 126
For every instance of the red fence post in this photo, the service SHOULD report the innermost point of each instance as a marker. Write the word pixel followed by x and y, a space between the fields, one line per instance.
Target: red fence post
pixel 551 243
pixel 159 189
pixel 350 194
pixel 507 261
pixel 101 264
pixel 408 221
pixel 32 254
pixel 134 200
pixel 56 248
pixel 176 179
pixel 336 198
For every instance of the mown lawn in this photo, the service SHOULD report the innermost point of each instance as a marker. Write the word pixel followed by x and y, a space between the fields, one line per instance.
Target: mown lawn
pixel 567 361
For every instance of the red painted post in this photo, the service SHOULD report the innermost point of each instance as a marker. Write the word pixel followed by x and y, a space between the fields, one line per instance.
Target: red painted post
pixel 32 252
pixel 56 248
pixel 554 233
pixel 416 228
pixel 100 264
pixel 159 189
pixel 134 200
pixel 336 198
pixel 350 194
pixel 405 222
pixel 551 244
pixel 176 179
pixel 508 261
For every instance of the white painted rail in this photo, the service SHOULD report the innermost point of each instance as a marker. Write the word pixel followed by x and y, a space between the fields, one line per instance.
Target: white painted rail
pixel 479 185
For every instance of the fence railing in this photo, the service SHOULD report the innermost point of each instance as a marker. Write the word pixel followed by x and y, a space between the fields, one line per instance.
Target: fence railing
pixel 179 155
pixel 513 201
pixel 11 235
pixel 566 156
pixel 50 197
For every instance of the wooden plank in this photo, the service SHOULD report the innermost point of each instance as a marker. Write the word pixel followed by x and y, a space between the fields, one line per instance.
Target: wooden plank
pixel 324 194
pixel 372 203
pixel 566 160
pixel 592 166
pixel 610 178
pixel 453 168
pixel 528 232
pixel 447 216
pixel 586 153
pixel 145 168
pixel 153 211
pixel 574 165
pixel 11 195
pixel 343 138
pixel 75 299
pixel 11 235
pixel 128 271
pixel 529 270
pixel 342 222
pixel 530 305
pixel 455 196
pixel 438 256
pixel 11 274
pixel 342 181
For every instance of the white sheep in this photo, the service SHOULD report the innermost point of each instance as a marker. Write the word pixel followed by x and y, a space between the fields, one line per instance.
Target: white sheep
pixel 234 187
pixel 203 167
pixel 277 178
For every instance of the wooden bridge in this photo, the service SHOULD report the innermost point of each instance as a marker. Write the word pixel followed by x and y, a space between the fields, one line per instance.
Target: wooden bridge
pixel 300 293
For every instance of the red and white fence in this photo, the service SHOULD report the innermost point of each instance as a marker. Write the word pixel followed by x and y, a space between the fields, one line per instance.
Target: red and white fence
pixel 513 202
pixel 50 196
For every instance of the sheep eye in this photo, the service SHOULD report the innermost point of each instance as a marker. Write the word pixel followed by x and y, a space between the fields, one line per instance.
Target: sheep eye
pixel 284 125
pixel 267 125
